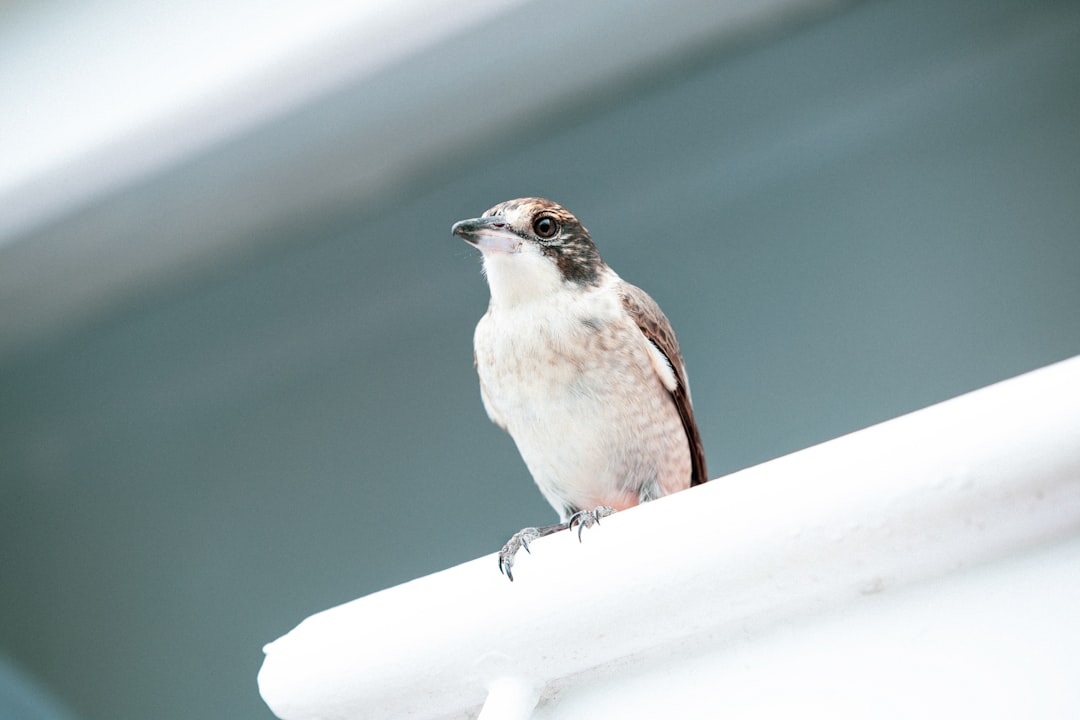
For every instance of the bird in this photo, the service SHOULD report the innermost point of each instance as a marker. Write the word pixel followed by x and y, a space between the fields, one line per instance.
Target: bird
pixel 581 368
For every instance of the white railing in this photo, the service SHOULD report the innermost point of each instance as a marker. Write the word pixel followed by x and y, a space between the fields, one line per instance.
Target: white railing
pixel 836 576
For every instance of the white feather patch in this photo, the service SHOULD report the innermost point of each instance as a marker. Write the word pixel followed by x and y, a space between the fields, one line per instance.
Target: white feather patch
pixel 662 367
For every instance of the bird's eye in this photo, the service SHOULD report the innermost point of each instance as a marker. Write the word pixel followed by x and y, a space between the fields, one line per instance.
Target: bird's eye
pixel 545 226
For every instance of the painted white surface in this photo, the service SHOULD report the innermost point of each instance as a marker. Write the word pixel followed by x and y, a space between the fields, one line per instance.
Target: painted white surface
pixel 997 642
pixel 926 565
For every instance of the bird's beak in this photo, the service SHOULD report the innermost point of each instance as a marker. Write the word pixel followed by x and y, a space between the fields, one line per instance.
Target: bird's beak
pixel 489 233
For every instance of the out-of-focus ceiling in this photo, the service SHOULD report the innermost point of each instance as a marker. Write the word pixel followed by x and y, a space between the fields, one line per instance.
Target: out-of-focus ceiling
pixel 98 100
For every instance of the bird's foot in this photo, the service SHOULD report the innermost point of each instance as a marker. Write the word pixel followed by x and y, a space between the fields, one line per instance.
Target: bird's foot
pixel 587 518
pixel 522 538
pixel 519 540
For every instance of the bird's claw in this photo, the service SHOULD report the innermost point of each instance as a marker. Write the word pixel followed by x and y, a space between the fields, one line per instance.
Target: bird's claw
pixel 522 538
pixel 588 518
pixel 519 540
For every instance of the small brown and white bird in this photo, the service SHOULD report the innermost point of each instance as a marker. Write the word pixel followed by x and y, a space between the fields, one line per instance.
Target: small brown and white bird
pixel 581 368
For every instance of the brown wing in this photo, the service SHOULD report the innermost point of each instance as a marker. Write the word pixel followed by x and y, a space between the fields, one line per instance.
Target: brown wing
pixel 656 328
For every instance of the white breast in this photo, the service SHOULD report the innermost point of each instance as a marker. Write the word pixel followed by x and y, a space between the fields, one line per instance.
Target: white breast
pixel 572 379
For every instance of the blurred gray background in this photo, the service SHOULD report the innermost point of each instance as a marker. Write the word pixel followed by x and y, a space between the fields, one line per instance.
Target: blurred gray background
pixel 848 212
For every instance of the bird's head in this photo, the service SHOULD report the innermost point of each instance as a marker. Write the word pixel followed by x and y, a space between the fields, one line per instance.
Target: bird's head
pixel 532 246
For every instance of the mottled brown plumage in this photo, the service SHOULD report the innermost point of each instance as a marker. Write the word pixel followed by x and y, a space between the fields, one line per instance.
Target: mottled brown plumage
pixel 656 327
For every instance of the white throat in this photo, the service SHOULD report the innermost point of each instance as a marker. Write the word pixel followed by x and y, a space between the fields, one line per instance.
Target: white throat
pixel 521 277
